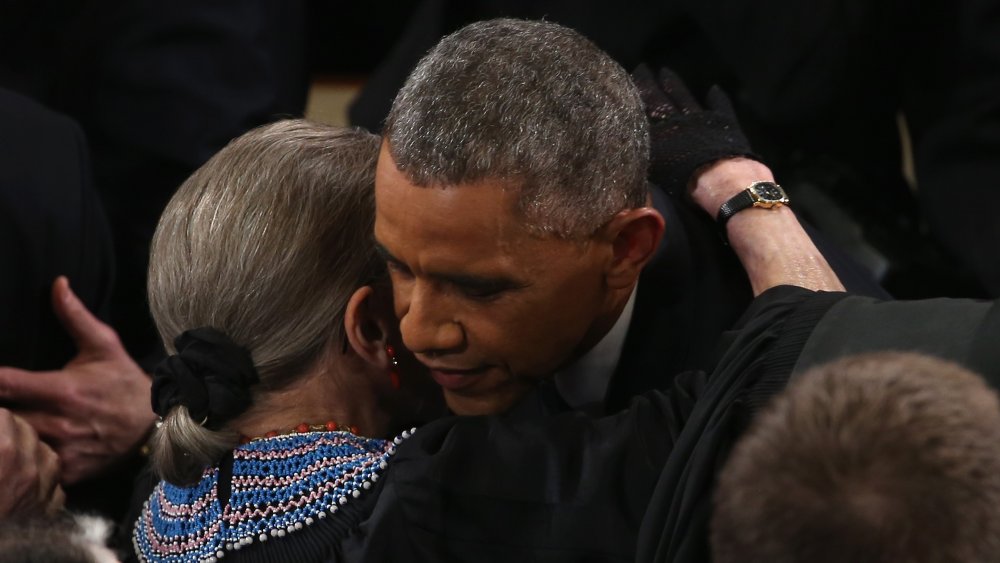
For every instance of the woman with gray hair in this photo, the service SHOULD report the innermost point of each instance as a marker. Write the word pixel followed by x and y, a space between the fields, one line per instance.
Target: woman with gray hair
pixel 267 293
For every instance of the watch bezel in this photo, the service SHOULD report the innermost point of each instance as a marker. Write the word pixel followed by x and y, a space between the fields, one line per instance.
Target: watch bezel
pixel 761 200
pixel 749 198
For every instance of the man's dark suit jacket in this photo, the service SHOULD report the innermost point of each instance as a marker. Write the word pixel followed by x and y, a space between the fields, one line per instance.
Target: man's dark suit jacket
pixel 51 224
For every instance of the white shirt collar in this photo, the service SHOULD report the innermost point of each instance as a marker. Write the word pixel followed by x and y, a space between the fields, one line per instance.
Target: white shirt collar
pixel 584 383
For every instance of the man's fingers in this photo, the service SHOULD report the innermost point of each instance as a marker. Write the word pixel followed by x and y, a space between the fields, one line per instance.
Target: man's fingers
pixel 84 446
pixel 70 445
pixel 21 463
pixel 89 333
pixel 20 388
pixel 25 438
pixel 55 429
pixel 56 501
pixel 48 473
pixel 33 427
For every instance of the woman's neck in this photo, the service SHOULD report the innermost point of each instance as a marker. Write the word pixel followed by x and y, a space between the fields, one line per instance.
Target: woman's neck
pixel 331 392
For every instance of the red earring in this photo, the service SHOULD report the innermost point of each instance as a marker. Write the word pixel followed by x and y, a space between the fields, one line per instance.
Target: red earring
pixel 393 366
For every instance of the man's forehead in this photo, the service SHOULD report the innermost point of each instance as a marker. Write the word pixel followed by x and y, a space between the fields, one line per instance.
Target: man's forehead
pixel 461 229
pixel 488 203
pixel 459 216
pixel 483 216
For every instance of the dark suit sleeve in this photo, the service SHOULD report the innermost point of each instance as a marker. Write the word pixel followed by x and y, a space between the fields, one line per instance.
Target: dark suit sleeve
pixel 52 224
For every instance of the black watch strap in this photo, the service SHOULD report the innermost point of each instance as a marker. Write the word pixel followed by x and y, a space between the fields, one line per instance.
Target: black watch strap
pixel 738 202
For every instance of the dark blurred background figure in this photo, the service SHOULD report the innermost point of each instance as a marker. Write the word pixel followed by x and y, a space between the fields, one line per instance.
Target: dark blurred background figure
pixel 64 379
pixel 350 39
pixel 829 94
pixel 158 89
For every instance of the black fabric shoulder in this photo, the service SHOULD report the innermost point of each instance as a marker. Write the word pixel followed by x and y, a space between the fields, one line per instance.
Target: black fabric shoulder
pixel 796 331
pixel 961 330
pixel 754 367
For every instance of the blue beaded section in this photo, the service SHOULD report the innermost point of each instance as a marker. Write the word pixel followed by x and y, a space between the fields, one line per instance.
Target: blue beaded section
pixel 279 485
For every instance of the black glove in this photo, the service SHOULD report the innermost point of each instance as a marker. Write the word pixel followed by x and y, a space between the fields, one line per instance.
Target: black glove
pixel 684 136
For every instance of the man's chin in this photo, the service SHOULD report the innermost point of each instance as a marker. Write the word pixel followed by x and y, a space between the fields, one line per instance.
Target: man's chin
pixel 493 403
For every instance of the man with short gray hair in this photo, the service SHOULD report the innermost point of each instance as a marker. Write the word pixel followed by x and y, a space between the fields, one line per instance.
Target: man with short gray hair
pixel 514 215
pixel 576 144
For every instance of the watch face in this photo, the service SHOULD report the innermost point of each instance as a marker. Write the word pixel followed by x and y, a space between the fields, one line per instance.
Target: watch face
pixel 768 191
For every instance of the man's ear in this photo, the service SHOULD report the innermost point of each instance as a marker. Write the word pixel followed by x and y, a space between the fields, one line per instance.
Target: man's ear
pixel 634 235
pixel 366 330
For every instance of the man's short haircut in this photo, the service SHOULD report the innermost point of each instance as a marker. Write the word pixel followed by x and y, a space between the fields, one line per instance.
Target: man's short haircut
pixel 882 457
pixel 531 103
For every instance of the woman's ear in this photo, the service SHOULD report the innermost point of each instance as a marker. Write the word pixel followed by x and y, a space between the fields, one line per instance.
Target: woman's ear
pixel 366 331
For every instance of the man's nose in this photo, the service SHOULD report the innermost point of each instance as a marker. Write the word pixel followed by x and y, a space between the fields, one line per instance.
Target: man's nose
pixel 427 326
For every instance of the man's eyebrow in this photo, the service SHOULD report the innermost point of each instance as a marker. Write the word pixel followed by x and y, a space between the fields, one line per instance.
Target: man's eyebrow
pixel 482 283
pixel 470 281
pixel 384 253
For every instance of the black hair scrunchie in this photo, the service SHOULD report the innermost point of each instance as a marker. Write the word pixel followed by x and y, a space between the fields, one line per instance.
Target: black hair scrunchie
pixel 210 375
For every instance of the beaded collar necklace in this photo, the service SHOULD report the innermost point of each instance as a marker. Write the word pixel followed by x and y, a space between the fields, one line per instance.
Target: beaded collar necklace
pixel 280 486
